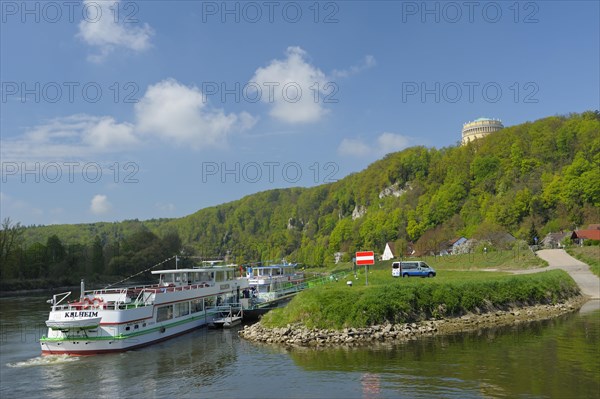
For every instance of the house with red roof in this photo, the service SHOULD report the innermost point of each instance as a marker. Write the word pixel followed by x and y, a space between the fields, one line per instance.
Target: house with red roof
pixel 579 236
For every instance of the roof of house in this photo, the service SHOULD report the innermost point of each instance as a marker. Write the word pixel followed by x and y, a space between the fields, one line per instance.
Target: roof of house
pixel 586 234
pixel 455 240
pixel 556 237
pixel 392 246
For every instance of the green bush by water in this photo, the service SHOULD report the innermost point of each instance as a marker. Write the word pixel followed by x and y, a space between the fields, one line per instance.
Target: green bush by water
pixel 406 300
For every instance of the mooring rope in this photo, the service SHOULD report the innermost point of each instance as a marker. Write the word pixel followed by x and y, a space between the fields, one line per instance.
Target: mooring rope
pixel 143 271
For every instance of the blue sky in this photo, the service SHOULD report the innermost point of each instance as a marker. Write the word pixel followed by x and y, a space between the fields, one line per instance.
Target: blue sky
pixel 114 110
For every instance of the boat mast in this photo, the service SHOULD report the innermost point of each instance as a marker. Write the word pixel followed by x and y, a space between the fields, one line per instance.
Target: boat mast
pixel 82 285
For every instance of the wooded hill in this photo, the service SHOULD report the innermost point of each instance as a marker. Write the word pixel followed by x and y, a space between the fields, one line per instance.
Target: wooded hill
pixel 526 180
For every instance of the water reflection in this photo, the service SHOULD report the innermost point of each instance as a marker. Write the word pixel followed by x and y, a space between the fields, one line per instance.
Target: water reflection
pixel 553 358
pixel 557 358
pixel 180 366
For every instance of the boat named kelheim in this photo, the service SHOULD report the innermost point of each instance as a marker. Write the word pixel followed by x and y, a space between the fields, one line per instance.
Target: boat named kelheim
pixel 120 319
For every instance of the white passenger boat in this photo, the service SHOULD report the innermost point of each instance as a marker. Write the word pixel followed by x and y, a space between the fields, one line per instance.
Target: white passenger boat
pixel 119 319
pixel 270 282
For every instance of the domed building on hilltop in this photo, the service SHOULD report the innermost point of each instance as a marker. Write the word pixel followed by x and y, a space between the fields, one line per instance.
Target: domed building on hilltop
pixel 479 128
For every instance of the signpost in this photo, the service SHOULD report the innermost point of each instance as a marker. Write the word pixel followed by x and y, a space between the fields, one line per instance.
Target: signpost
pixel 365 258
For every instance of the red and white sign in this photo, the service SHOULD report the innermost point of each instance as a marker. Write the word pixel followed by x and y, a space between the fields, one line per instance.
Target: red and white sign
pixel 365 258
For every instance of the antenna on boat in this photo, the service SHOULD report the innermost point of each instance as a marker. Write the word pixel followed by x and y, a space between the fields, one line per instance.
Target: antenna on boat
pixel 176 261
pixel 82 285
pixel 143 271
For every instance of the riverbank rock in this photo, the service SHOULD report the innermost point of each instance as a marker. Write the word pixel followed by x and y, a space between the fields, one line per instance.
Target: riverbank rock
pixel 300 335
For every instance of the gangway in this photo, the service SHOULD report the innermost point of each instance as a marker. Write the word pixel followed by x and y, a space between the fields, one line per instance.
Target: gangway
pixel 228 316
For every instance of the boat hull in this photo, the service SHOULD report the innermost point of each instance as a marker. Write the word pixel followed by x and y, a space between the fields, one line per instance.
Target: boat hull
pixel 81 346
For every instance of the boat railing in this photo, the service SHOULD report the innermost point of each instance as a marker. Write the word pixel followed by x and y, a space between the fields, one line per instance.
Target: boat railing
pixel 57 299
pixel 230 310
pixel 155 288
pixel 185 287
pixel 125 297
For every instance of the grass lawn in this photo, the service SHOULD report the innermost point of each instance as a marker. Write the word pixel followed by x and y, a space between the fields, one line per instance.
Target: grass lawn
pixel 589 255
pixel 502 260
pixel 396 299
pixel 499 260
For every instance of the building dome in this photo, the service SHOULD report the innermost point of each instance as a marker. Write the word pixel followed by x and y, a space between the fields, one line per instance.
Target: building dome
pixel 479 128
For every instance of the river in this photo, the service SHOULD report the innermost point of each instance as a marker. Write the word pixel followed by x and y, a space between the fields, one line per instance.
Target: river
pixel 558 358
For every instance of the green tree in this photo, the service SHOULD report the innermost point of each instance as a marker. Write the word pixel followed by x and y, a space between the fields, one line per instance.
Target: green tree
pixel 97 256
pixel 11 238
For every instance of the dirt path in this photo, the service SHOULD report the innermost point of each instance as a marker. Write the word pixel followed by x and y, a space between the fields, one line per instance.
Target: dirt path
pixel 588 282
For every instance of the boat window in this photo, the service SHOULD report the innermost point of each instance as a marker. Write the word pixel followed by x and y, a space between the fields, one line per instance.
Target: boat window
pixel 182 309
pixel 209 301
pixel 166 278
pixel 220 276
pixel 136 327
pixel 127 328
pixel 197 305
pixel 164 313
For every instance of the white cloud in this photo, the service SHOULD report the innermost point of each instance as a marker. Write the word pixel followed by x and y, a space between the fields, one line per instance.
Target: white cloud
pixel 368 62
pixel 295 84
pixel 78 135
pixel 100 205
pixel 178 113
pixel 106 133
pixel 169 207
pixel 384 144
pixel 169 110
pixel 354 147
pixel 391 142
pixel 106 29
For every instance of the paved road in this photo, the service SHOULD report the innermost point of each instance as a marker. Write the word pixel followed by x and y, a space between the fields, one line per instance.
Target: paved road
pixel 588 282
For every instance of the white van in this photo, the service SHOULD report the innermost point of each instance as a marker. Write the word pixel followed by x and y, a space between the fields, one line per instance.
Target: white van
pixel 412 268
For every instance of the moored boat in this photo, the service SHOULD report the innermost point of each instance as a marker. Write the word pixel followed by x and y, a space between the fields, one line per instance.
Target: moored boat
pixel 271 282
pixel 119 319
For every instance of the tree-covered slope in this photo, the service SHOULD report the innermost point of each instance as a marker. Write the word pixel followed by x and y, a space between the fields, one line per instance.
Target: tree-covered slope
pixel 526 180
pixel 543 174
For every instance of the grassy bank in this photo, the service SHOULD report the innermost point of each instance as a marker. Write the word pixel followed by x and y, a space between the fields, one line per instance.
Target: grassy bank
pixel 520 257
pixel 517 258
pixel 589 255
pixel 386 299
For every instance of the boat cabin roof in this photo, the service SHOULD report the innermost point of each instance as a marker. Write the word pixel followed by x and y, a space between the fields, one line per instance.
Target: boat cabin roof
pixel 275 266
pixel 199 270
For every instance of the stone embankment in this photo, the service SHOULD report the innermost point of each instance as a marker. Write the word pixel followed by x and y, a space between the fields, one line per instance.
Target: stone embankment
pixel 299 335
